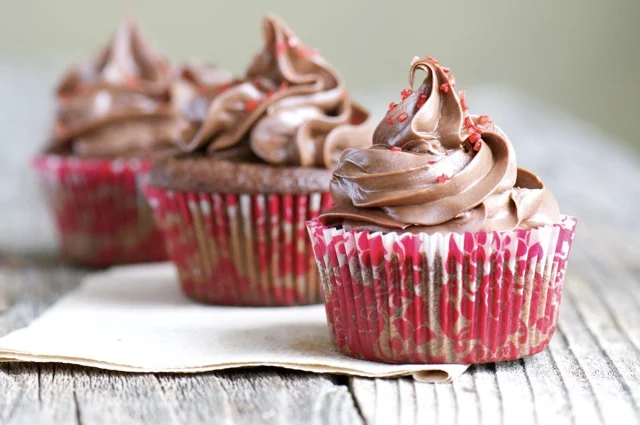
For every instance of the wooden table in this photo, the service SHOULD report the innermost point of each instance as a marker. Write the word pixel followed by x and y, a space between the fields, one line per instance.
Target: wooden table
pixel 589 374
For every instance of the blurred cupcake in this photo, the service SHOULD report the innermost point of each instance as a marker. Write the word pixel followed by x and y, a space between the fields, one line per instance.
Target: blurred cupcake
pixel 115 113
pixel 234 208
pixel 439 249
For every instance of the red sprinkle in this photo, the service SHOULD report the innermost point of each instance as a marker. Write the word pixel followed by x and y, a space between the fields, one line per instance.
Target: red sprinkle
pixel 474 129
pixel 224 87
pixel 468 122
pixel 390 120
pixel 431 162
pixel 396 149
pixel 477 147
pixel 281 47
pixel 483 119
pixel 429 58
pixel 442 179
pixel 406 93
pixel 284 85
pixel 474 137
pixel 402 117
pixel 444 87
pixel 445 69
pixel 251 105
pixel 422 99
pixel 392 106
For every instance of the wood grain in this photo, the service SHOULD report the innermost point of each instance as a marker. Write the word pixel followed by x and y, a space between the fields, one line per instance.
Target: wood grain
pixel 589 374
pixel 63 394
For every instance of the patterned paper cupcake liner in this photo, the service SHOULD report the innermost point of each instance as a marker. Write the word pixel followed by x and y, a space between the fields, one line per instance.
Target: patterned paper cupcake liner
pixel 453 298
pixel 99 210
pixel 243 250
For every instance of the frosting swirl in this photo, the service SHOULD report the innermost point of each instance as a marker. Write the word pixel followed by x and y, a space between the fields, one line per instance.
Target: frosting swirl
pixel 118 103
pixel 435 168
pixel 290 109
pixel 196 85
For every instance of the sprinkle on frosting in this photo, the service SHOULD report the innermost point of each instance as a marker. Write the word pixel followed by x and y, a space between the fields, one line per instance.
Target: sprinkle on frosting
pixel 442 179
pixel 450 171
pixel 406 93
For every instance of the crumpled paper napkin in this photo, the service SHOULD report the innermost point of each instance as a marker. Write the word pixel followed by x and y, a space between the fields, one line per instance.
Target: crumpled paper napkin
pixel 135 319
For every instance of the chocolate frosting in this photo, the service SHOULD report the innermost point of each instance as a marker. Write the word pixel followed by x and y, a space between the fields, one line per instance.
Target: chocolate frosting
pixel 119 103
pixel 290 109
pixel 198 84
pixel 435 168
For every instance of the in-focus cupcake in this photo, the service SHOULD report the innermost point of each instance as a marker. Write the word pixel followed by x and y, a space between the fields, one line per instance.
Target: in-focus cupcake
pixel 439 249
pixel 115 113
pixel 234 208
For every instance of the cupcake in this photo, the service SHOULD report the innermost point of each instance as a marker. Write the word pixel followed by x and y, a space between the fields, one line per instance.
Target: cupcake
pixel 114 114
pixel 233 207
pixel 439 249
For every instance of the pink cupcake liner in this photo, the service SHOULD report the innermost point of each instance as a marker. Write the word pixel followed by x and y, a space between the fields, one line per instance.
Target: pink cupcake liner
pixel 241 249
pixel 442 298
pixel 101 215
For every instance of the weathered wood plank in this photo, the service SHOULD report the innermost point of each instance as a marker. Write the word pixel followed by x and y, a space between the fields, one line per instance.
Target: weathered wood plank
pixel 548 389
pixel 516 396
pixel 263 395
pixel 118 398
pixel 63 394
pixel 468 400
pixel 20 388
pixel 489 396
pixel 612 340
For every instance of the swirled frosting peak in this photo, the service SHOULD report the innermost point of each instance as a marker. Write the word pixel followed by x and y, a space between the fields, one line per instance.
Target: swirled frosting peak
pixel 291 108
pixel 435 168
pixel 117 103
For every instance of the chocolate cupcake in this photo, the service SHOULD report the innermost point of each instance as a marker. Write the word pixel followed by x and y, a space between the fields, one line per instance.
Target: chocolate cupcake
pixel 115 113
pixel 233 208
pixel 439 249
